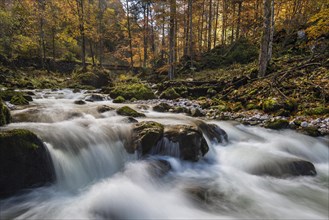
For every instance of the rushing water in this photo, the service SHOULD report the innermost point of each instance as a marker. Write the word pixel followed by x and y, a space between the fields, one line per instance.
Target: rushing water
pixel 97 179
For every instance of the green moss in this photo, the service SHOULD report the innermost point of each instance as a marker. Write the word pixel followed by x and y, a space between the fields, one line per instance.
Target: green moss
pixel 290 105
pixel 271 105
pixel 320 110
pixel 251 106
pixel 20 138
pixel 127 111
pixel 169 93
pixel 277 124
pixel 129 91
pixel 312 131
pixel 19 100
pixel 119 99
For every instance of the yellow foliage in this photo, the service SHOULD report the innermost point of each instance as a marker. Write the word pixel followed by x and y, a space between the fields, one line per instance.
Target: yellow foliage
pixel 319 24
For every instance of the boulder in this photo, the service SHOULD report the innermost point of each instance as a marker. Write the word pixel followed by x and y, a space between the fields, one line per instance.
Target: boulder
pixel 127 111
pixel 24 161
pixel 19 100
pixel 277 124
pixel 79 102
pixel 286 167
pixel 169 93
pixel 146 134
pixel 95 98
pixel 119 99
pixel 104 108
pixel 213 132
pixel 162 107
pixel 192 145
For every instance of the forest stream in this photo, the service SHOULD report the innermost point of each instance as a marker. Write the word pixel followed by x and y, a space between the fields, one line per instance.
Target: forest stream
pixel 97 179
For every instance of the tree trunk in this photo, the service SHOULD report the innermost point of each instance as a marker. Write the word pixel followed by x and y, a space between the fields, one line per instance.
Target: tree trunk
pixel 233 21
pixel 80 9
pixel 145 12
pixel 210 25
pixel 270 47
pixel 201 27
pixel 265 41
pixel 224 22
pixel 42 8
pixel 216 23
pixel 190 50
pixel 129 36
pixel 239 20
pixel 92 52
pixel 172 39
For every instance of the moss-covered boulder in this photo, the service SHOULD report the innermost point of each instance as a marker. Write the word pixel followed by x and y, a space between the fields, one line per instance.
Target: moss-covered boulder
pixel 19 100
pixel 79 102
pixel 127 111
pixel 24 161
pixel 319 110
pixel 271 105
pixel 7 95
pixel 95 77
pixel 5 116
pixel 162 107
pixel 146 135
pixel 138 91
pixel 169 93
pixel 119 99
pixel 277 124
pixel 213 132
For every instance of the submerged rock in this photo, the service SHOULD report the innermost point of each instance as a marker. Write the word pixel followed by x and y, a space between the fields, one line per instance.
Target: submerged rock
pixel 95 98
pixel 79 102
pixel 286 167
pixel 127 111
pixel 162 107
pixel 24 161
pixel 104 108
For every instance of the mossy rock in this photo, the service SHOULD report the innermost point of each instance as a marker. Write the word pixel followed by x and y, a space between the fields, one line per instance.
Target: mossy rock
pixel 119 99
pixel 162 107
pixel 19 100
pixel 290 105
pixel 7 95
pixel 146 136
pixel 277 124
pixel 319 110
pixel 251 106
pixel 311 131
pixel 127 111
pixel 5 116
pixel 137 90
pixel 169 93
pixel 24 161
pixel 94 77
pixel 271 105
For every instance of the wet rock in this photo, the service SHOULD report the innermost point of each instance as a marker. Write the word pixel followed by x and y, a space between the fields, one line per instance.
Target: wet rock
pixel 196 112
pixel 169 93
pixel 95 98
pixel 159 167
pixel 129 120
pixel 162 107
pixel 76 90
pixel 192 145
pixel 24 161
pixel 311 131
pixel 127 111
pixel 214 132
pixel 119 99
pixel 145 135
pixel 277 124
pixel 79 102
pixel 104 108
pixel 304 124
pixel 286 168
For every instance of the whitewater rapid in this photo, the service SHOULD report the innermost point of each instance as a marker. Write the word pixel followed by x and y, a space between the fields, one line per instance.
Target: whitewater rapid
pixel 97 179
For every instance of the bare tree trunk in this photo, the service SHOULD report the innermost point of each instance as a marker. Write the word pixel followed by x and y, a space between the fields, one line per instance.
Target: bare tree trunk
pixel 239 20
pixel 210 25
pixel 201 27
pixel 172 39
pixel 190 12
pixel 216 23
pixel 186 30
pixel 145 12
pixel 265 41
pixel 129 36
pixel 42 8
pixel 270 47
pixel 92 52
pixel 233 21
pixel 163 42
pixel 80 9
pixel 224 22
